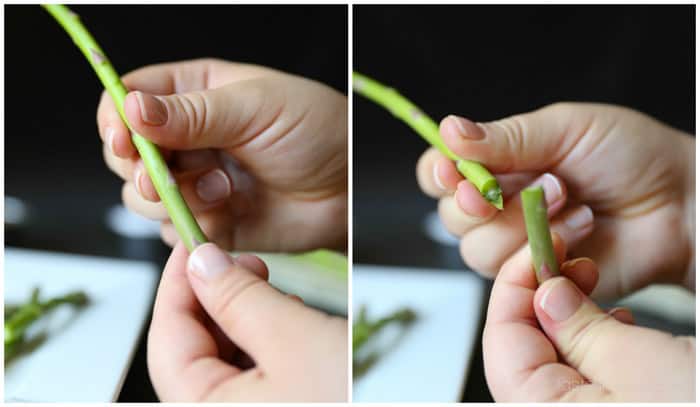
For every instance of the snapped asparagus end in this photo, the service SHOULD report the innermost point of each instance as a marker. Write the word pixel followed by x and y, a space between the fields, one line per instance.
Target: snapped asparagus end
pixel 544 260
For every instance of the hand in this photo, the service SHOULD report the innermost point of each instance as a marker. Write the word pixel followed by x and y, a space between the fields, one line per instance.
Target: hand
pixel 260 155
pixel 246 341
pixel 553 343
pixel 634 175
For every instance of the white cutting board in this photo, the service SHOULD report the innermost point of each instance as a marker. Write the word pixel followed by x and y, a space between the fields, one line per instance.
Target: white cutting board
pixel 430 362
pixel 86 354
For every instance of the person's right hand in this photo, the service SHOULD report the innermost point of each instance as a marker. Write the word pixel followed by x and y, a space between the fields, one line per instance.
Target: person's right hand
pixel 260 155
pixel 635 175
pixel 552 343
pixel 221 333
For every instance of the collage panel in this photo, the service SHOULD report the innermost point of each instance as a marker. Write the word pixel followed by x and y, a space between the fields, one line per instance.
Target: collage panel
pixel 183 235
pixel 479 128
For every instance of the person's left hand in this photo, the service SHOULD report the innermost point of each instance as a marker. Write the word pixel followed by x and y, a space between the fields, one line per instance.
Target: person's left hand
pixel 553 343
pixel 246 341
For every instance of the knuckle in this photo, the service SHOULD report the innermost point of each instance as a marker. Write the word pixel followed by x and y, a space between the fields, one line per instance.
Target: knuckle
pixel 478 260
pixel 514 129
pixel 230 292
pixel 195 112
pixel 446 212
pixel 583 337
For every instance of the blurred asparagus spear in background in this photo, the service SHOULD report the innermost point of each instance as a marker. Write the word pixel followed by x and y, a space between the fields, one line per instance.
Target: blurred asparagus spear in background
pixel 409 113
pixel 180 214
pixel 24 315
pixel 544 260
pixel 363 329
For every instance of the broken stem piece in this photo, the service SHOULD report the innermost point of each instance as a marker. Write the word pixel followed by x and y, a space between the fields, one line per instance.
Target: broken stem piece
pixel 402 108
pixel 168 191
pixel 363 329
pixel 17 324
pixel 544 260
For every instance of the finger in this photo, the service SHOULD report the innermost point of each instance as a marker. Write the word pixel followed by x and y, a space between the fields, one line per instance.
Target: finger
pixel 115 135
pixel 622 314
pixel 611 353
pixel 169 234
pixel 486 247
pixel 134 201
pixel 160 79
pixel 532 141
pixel 470 200
pixel 259 319
pixel 202 189
pixel 123 167
pixel 112 130
pixel 437 175
pixel 456 220
pixel 182 354
pixel 583 272
pixel 253 263
pixel 520 363
pixel 216 224
pixel 574 224
pixel 195 160
pixel 513 183
pixel 223 117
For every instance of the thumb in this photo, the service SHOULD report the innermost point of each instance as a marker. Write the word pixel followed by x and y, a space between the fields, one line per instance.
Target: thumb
pixel 618 356
pixel 255 316
pixel 223 117
pixel 526 142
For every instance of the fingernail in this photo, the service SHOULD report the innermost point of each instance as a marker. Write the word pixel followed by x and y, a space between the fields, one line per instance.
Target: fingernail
pixel 437 177
pixel 575 262
pixel 466 128
pixel 138 177
pixel 109 131
pixel 153 111
pixel 552 189
pixel 580 219
pixel 561 300
pixel 213 186
pixel 208 261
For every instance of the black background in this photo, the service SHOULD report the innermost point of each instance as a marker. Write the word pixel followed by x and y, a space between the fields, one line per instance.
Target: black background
pixel 489 62
pixel 53 156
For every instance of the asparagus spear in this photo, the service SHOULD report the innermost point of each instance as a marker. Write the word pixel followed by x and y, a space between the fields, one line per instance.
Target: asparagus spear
pixel 363 330
pixel 185 224
pixel 16 325
pixel 544 260
pixel 402 108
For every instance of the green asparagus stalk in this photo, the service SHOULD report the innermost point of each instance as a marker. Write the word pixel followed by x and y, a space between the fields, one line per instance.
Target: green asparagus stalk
pixel 22 318
pixel 403 109
pixel 363 329
pixel 544 260
pixel 166 186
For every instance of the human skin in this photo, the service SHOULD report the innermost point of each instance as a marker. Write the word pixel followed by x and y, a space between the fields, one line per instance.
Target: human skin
pixel 261 159
pixel 616 182
pixel 552 343
pixel 260 155
pixel 221 333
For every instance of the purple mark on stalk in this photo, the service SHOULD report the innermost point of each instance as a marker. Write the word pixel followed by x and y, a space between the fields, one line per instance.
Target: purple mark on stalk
pixel 545 274
pixel 170 179
pixel 416 114
pixel 195 242
pixel 73 14
pixel 97 56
